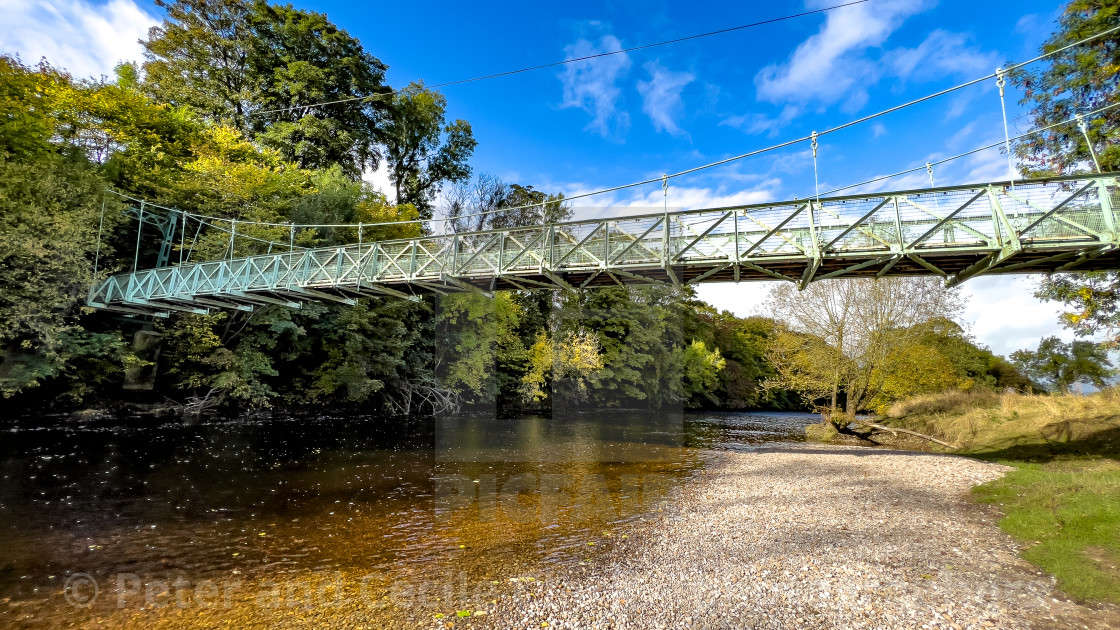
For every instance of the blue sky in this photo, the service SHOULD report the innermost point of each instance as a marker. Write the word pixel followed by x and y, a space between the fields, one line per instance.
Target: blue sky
pixel 628 117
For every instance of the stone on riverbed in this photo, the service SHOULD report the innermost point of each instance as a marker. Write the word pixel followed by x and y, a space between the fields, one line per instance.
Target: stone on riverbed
pixel 811 536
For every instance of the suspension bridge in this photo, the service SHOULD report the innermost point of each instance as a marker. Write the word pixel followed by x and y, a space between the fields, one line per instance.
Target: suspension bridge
pixel 956 232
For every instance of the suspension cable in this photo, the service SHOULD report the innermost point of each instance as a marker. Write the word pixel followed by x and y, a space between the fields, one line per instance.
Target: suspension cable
pixel 1081 124
pixel 689 171
pixel 929 165
pixel 139 231
pixel 567 61
pixel 816 176
pixel 1006 134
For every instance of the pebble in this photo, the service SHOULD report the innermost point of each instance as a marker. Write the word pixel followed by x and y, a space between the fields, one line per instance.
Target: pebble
pixel 810 536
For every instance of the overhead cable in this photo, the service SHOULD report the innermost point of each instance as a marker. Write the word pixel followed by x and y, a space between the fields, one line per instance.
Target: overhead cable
pixel 929 165
pixel 568 61
pixel 665 177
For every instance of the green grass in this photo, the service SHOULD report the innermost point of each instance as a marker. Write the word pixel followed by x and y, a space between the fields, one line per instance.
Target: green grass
pixel 1062 500
pixel 1067 511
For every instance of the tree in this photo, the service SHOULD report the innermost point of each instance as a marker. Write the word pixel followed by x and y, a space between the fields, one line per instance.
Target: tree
pixel 199 58
pixel 258 67
pixel 1082 78
pixel 1060 365
pixel 1085 77
pixel 1094 298
pixel 423 153
pixel 566 364
pixel 51 203
pixel 849 337
pixel 489 203
pixel 302 58
pixel 640 342
pixel 700 370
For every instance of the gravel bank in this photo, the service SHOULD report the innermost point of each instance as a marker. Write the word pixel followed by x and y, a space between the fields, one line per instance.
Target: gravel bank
pixel 809 536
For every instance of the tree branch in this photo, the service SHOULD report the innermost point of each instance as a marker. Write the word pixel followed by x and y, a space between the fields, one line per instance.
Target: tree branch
pixel 896 431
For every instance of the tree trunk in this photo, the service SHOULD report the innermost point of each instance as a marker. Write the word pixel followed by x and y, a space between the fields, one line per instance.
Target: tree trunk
pixel 896 431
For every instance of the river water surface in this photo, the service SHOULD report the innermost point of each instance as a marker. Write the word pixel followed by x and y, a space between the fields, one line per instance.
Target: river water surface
pixel 306 519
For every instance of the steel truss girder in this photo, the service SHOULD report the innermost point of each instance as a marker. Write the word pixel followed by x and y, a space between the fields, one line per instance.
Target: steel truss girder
pixel 1063 224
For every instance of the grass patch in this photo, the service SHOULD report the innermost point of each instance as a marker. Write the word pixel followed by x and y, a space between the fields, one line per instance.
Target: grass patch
pixel 1067 511
pixel 1062 500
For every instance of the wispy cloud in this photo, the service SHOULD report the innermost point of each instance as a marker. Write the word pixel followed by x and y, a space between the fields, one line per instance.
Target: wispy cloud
pixel 86 38
pixel 941 54
pixel 761 123
pixel 661 96
pixel 832 65
pixel 847 56
pixel 592 85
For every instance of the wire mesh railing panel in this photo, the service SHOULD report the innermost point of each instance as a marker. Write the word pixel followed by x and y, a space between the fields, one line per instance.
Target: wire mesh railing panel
pixel 1044 213
pixel 431 257
pixel 1113 196
pixel 208 278
pixel 392 261
pixel 951 219
pixel 858 225
pixel 775 231
pixel 525 249
pixel 477 255
pixel 579 246
pixel 636 241
pixel 706 236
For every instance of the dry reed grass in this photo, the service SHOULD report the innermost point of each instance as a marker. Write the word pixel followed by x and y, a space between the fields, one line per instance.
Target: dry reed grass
pixel 986 421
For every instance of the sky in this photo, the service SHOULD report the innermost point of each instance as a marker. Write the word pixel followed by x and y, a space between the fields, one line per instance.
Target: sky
pixel 628 117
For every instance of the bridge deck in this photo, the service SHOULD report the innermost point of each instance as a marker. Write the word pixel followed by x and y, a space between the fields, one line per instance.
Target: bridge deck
pixel 956 232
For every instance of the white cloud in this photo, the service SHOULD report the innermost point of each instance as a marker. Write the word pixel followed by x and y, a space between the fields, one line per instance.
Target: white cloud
pixel 1007 317
pixel 82 37
pixel 831 65
pixel 379 179
pixel 592 85
pixel 661 96
pixel 760 123
pixel 848 55
pixel 650 198
pixel 941 54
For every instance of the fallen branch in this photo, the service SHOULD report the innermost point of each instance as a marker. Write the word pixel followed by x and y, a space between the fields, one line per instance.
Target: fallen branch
pixel 896 431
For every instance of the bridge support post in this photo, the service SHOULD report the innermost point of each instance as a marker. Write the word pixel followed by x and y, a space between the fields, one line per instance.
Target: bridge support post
pixel 1105 198
pixel 168 239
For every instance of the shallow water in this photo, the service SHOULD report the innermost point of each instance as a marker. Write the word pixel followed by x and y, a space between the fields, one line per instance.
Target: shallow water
pixel 138 505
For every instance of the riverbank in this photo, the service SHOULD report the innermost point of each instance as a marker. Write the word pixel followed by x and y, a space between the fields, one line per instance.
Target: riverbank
pixel 1062 500
pixel 810 536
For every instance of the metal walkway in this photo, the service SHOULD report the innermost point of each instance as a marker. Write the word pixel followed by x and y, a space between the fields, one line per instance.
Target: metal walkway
pixel 957 232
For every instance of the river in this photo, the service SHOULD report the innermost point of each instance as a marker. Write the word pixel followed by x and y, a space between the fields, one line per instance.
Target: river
pixel 166 523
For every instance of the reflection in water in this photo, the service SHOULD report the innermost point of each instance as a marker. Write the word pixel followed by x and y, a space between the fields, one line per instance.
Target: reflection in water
pixel 297 498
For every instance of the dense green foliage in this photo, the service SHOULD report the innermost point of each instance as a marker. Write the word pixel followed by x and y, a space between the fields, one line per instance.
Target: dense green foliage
pixel 256 67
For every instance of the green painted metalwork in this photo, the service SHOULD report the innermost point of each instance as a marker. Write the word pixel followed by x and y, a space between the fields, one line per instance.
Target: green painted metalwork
pixel 958 232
